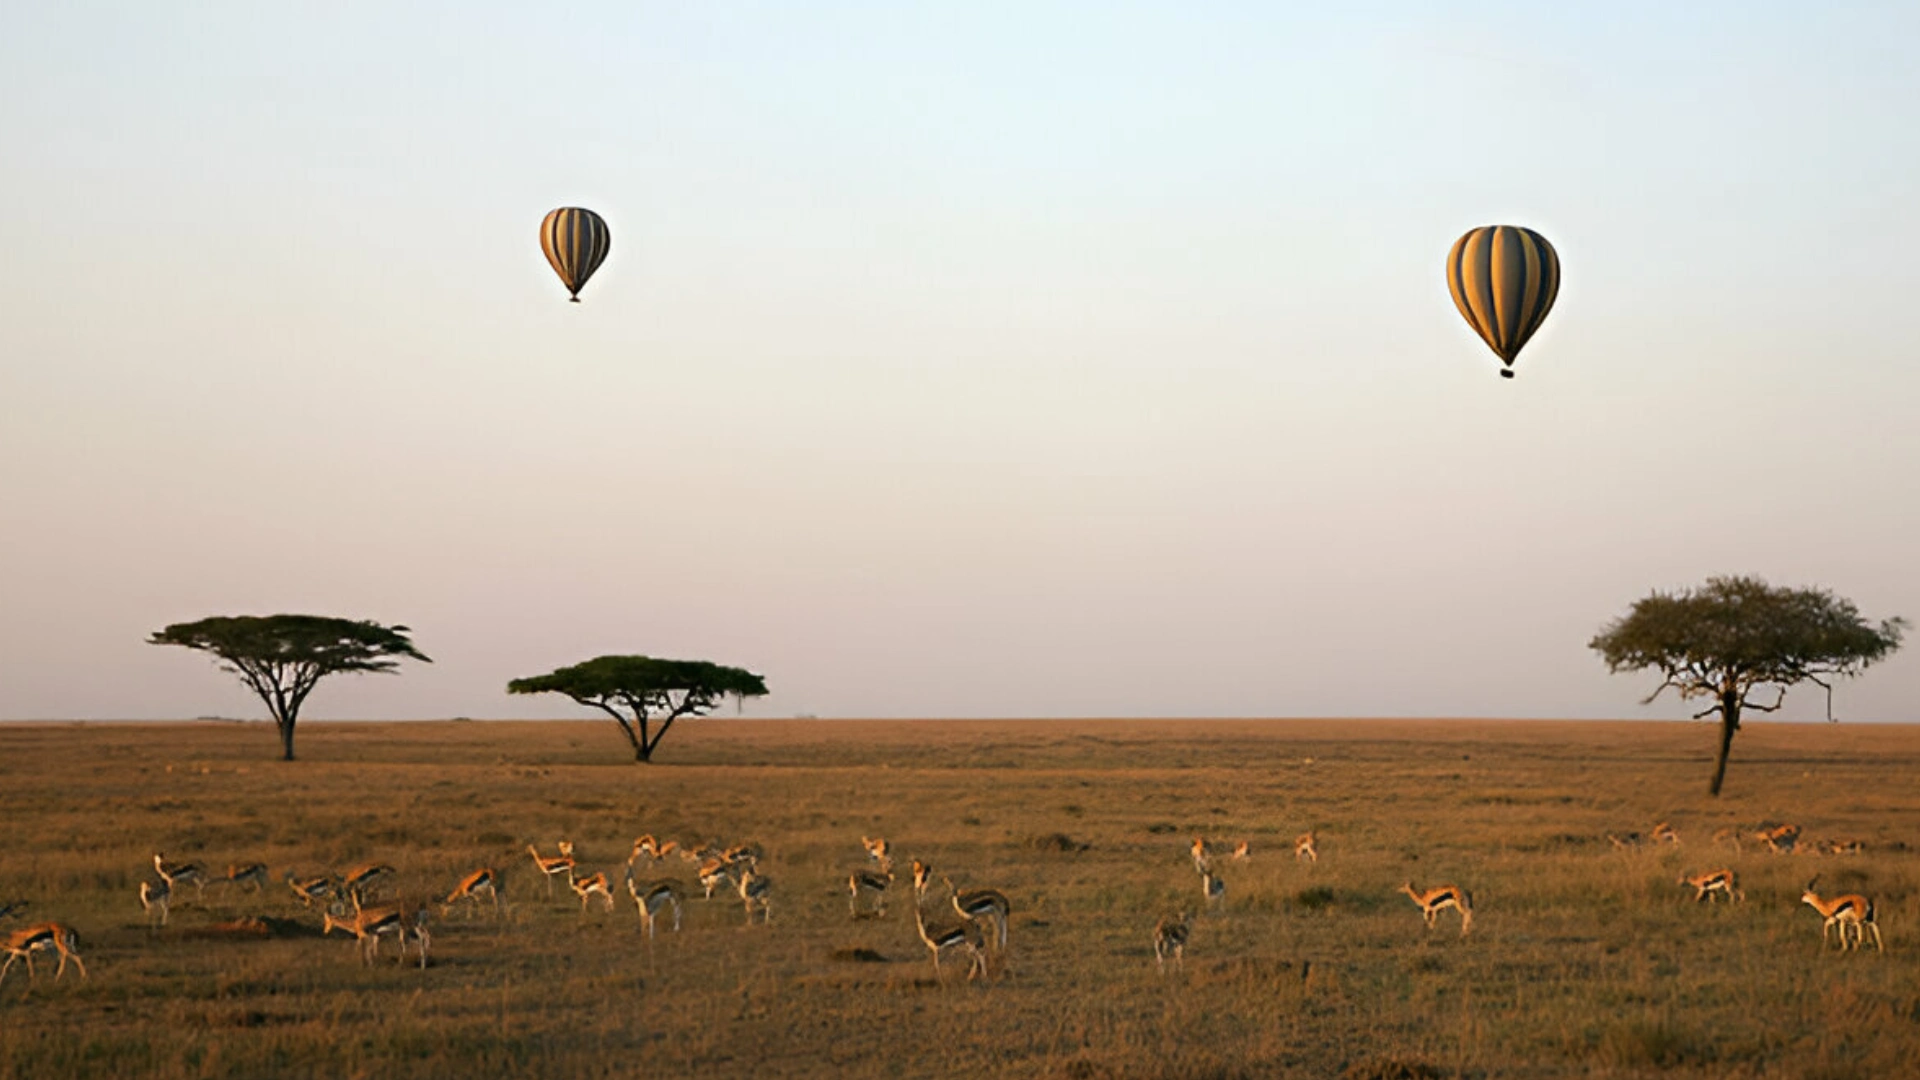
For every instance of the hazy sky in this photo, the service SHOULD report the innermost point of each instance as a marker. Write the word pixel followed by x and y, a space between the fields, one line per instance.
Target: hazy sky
pixel 1024 359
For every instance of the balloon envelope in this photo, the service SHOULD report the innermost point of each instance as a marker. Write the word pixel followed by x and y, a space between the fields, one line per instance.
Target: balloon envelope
pixel 576 242
pixel 1504 279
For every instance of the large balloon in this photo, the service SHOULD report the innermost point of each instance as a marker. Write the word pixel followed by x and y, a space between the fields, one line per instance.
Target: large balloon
pixel 1503 279
pixel 576 242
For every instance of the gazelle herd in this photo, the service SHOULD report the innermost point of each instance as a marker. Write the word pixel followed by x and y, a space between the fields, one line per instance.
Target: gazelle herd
pixel 361 903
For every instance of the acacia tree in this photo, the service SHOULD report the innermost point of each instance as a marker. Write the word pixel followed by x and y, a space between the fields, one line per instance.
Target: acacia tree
pixel 645 688
pixel 282 657
pixel 1736 635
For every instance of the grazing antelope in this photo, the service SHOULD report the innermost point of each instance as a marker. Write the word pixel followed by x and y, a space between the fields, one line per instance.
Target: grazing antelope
pixel 1629 842
pixel 22 944
pixel 654 898
pixel 871 887
pixel 586 887
pixel 1663 834
pixel 1213 889
pixel 714 873
pixel 254 874
pixel 653 849
pixel 756 892
pixel 361 881
pixel 315 891
pixel 555 867
pixel 1434 901
pixel 1781 839
pixel 154 898
pixel 175 873
pixel 1712 884
pixel 369 925
pixel 922 876
pixel 1842 911
pixel 483 880
pixel 1242 851
pixel 1170 939
pixel 983 906
pixel 1305 849
pixel 1202 854
pixel 1845 847
pixel 953 937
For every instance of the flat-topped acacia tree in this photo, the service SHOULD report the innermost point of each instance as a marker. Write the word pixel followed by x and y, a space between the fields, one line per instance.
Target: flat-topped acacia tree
pixel 1734 635
pixel 645 688
pixel 282 657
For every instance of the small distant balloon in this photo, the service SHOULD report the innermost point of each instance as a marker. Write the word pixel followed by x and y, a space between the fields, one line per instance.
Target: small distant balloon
pixel 1504 279
pixel 576 242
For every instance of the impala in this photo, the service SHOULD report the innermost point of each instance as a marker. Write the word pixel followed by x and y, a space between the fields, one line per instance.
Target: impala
pixel 1712 884
pixel 1843 911
pixel 1170 939
pixel 154 898
pixel 1433 901
pixel 556 867
pixel 22 944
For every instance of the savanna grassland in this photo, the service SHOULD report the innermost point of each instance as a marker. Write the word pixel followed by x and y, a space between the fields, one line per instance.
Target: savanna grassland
pixel 1584 961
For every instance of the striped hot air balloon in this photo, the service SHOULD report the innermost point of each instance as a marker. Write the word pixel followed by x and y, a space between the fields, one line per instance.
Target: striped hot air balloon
pixel 576 242
pixel 1503 279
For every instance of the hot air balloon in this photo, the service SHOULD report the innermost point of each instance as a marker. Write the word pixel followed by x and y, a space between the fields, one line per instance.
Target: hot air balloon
pixel 576 242
pixel 1503 279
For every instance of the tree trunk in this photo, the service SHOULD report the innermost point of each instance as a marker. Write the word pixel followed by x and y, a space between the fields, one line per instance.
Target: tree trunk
pixel 286 740
pixel 1729 723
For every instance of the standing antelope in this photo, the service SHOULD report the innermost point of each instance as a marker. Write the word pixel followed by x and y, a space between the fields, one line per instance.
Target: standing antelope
pixel 1842 911
pixel 586 887
pixel 1213 889
pixel 22 944
pixel 1780 839
pixel 653 849
pixel 1710 885
pixel 1170 939
pixel 756 892
pixel 1242 851
pixel 871 887
pixel 154 898
pixel 175 873
pixel 879 851
pixel 368 925
pixel 1434 901
pixel 954 937
pixel 715 872
pixel 984 906
pixel 1304 849
pixel 555 867
pixel 362 880
pixel 1663 834
pixel 1202 854
pixel 654 898
pixel 254 874
pixel 483 880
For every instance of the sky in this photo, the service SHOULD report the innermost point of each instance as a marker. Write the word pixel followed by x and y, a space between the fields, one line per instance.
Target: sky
pixel 952 360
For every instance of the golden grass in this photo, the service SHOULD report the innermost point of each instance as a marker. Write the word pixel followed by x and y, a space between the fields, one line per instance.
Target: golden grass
pixel 1583 961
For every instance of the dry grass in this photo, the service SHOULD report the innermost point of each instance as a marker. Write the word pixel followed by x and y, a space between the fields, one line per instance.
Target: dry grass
pixel 1584 960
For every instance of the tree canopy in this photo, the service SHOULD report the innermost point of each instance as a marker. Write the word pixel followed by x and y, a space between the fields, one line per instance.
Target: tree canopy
pixel 645 687
pixel 282 657
pixel 1734 636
